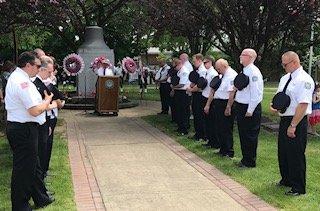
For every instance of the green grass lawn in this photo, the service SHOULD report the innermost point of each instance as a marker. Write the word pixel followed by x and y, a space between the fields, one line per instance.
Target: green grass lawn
pixel 261 180
pixel 60 182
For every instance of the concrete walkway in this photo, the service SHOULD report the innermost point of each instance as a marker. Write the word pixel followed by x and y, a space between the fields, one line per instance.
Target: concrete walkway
pixel 122 163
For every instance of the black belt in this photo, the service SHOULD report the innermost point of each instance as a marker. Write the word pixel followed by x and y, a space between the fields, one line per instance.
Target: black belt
pixel 24 123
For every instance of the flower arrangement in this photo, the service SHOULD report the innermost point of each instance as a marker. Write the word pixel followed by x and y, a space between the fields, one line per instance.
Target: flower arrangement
pixel 73 64
pixel 98 61
pixel 129 65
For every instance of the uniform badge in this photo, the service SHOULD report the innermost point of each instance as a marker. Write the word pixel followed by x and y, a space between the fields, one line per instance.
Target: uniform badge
pixel 307 85
pixel 254 78
pixel 24 85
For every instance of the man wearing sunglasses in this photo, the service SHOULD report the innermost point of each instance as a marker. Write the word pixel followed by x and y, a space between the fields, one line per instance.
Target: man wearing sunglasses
pixel 292 138
pixel 26 112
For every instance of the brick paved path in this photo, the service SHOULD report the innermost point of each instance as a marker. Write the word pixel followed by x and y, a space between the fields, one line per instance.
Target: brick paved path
pixel 122 163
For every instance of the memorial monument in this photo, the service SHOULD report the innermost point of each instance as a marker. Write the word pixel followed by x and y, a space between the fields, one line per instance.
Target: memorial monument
pixel 93 46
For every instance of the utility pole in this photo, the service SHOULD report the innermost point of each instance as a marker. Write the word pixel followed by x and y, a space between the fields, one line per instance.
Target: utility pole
pixel 311 49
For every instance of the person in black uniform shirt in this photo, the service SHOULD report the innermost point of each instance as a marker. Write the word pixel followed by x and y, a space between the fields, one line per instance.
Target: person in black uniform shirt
pixel 26 111
pixel 172 72
pixel 292 138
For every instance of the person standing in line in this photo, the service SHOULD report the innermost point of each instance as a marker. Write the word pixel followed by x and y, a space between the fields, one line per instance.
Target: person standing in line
pixel 293 129
pixel 224 114
pixel 161 78
pixel 207 104
pixel 248 109
pixel 26 111
pixel 197 109
pixel 182 99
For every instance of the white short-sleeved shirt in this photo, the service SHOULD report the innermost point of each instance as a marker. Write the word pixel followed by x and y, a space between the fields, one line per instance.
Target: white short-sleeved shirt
pixel 188 66
pixel 300 90
pixel 162 73
pixel 202 71
pixel 211 73
pixel 226 85
pixel 183 74
pixel 22 94
pixel 253 93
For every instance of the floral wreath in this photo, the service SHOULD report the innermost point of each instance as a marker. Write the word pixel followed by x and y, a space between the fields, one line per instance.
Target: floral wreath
pixel 73 64
pixel 98 61
pixel 129 65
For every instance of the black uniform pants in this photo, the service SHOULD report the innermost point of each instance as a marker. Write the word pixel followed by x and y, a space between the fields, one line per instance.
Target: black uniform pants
pixel 165 96
pixel 210 125
pixel 182 102
pixel 292 160
pixel 52 125
pixel 249 128
pixel 43 145
pixel 173 108
pixel 26 176
pixel 224 127
pixel 198 115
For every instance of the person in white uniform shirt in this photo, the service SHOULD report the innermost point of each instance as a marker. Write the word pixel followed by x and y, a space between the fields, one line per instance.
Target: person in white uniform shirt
pixel 223 112
pixel 26 111
pixel 207 104
pixel 197 109
pixel 162 79
pixel 185 61
pixel 182 99
pixel 248 109
pixel 104 69
pixel 292 138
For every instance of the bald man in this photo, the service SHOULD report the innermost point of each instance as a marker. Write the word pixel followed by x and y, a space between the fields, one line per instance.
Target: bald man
pixel 39 52
pixel 248 109
pixel 292 138
pixel 223 112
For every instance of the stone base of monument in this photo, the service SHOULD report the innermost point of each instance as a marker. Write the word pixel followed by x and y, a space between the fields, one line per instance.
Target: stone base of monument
pixel 81 103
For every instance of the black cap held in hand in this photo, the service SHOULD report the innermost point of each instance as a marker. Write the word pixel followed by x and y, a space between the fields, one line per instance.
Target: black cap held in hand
pixel 194 76
pixel 241 81
pixel 215 83
pixel 175 80
pixel 202 83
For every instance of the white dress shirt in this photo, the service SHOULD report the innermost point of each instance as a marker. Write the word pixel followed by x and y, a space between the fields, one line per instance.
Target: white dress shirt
pixel 300 90
pixel 183 74
pixel 188 66
pixel 21 95
pixel 162 73
pixel 253 93
pixel 226 85
pixel 210 74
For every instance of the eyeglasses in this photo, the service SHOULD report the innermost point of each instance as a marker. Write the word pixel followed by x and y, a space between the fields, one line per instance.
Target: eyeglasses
pixel 205 62
pixel 285 65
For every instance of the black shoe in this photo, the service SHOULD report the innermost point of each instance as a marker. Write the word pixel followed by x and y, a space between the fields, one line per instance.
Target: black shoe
pixel 44 204
pixel 293 193
pixel 162 112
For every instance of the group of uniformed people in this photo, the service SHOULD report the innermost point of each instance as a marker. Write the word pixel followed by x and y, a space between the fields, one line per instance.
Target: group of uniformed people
pixel 218 95
pixel 32 102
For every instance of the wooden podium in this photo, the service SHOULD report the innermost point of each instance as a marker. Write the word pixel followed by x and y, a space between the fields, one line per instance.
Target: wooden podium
pixel 107 94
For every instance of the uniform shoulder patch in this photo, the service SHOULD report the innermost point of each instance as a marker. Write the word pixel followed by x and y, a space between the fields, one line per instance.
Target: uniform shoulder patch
pixel 24 85
pixel 254 78
pixel 307 85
